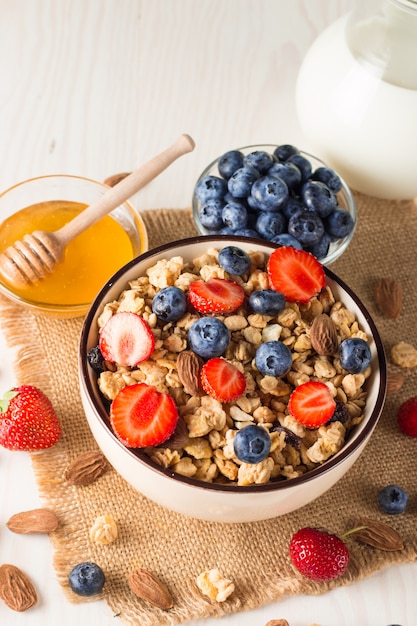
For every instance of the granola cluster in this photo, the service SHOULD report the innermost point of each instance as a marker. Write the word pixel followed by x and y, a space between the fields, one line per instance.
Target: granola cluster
pixel 206 453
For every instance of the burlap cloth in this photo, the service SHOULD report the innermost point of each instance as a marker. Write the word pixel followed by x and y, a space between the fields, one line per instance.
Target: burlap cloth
pixel 176 548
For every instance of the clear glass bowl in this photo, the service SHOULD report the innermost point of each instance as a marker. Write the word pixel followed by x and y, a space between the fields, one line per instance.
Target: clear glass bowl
pixel 344 196
pixel 51 190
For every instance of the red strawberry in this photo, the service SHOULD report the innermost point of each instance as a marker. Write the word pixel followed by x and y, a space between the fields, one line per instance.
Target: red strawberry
pixel 126 339
pixel 407 417
pixel 142 416
pixel 222 380
pixel 318 555
pixel 217 295
pixel 28 420
pixel 296 274
pixel 312 404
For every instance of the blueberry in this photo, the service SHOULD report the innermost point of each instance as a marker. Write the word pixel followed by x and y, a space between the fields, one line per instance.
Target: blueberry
pixel 240 183
pixel 329 177
pixel 169 304
pixel 208 337
pixel 307 227
pixel 392 500
pixel 246 232
pixel 210 187
pixel 226 231
pixel 284 151
pixel 95 359
pixel 86 579
pixel 230 162
pixel 273 358
pixel 235 215
pixel 211 214
pixel 355 355
pixel 270 193
pixel 318 197
pixel 252 444
pixel 266 302
pixel 287 240
pixel 292 206
pixel 303 165
pixel 339 224
pixel 234 260
pixel 260 160
pixel 288 172
pixel 321 248
pixel 269 225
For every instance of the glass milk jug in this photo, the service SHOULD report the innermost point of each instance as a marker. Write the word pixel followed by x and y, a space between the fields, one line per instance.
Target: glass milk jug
pixel 356 98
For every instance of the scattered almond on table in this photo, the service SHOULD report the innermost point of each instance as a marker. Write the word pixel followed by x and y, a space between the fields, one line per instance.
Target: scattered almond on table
pixel 149 588
pixel 86 468
pixel 16 590
pixel 395 381
pixel 388 295
pixel 378 535
pixel 35 521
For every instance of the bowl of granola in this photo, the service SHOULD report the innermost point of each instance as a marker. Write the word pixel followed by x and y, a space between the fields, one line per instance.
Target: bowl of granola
pixel 230 380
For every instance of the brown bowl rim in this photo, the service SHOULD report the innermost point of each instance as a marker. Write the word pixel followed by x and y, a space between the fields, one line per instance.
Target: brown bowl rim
pixel 102 416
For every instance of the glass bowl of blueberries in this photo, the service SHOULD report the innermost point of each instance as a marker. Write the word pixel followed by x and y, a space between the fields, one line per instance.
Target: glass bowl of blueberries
pixel 276 193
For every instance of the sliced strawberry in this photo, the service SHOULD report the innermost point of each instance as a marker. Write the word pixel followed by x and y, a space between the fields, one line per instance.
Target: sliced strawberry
pixel 126 339
pixel 217 295
pixel 312 404
pixel 142 416
pixel 296 274
pixel 222 380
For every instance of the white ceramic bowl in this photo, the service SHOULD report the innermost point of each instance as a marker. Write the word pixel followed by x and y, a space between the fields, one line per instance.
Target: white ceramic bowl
pixel 216 502
pixel 345 199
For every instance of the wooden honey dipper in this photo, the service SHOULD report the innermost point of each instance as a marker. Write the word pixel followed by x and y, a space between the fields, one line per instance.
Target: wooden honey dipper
pixel 31 259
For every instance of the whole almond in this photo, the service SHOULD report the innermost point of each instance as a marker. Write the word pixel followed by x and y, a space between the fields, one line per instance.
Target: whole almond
pixel 378 535
pixel 395 381
pixel 34 521
pixel 323 335
pixel 189 367
pixel 112 180
pixel 180 437
pixel 86 468
pixel 16 590
pixel 148 587
pixel 388 295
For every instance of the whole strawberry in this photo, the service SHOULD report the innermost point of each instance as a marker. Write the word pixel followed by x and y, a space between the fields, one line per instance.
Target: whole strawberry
pixel 407 417
pixel 27 420
pixel 318 555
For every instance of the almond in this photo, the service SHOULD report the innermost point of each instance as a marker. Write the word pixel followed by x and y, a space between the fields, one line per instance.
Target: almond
pixel 323 335
pixel 277 622
pixel 148 587
pixel 111 181
pixel 180 437
pixel 378 535
pixel 395 381
pixel 16 590
pixel 189 367
pixel 388 296
pixel 34 521
pixel 86 468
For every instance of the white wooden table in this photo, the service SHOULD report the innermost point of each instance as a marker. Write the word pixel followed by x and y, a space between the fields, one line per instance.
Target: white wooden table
pixel 95 87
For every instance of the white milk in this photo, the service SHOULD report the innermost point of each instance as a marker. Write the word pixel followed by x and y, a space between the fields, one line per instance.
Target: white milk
pixel 363 127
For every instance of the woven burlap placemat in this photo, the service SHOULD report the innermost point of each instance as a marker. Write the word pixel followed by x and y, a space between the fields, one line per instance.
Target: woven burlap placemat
pixel 176 548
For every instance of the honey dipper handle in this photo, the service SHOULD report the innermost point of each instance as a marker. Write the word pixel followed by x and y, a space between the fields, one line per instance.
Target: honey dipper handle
pixel 124 190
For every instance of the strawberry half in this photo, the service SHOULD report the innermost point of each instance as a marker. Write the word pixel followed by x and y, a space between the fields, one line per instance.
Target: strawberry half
pixel 318 555
pixel 407 417
pixel 296 274
pixel 216 295
pixel 126 339
pixel 312 404
pixel 222 380
pixel 142 416
pixel 28 420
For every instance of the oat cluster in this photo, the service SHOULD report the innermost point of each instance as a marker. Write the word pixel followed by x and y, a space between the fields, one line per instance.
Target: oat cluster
pixel 207 452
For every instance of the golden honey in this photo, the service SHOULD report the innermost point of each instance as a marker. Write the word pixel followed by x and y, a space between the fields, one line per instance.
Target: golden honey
pixel 90 259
